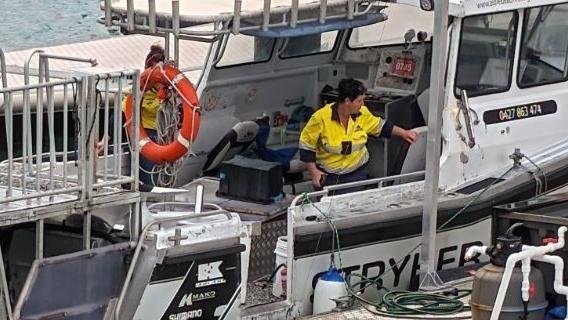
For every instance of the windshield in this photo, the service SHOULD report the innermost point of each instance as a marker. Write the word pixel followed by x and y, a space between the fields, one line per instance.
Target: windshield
pixel 401 17
pixel 486 52
pixel 544 46
pixel 243 49
pixel 307 45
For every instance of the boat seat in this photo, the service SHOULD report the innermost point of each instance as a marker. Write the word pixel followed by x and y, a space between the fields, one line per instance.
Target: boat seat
pixel 411 157
pixel 494 73
pixel 238 139
pixel 423 101
pixel 415 159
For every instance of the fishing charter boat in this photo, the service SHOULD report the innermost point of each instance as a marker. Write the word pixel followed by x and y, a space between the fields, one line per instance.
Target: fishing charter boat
pixel 485 101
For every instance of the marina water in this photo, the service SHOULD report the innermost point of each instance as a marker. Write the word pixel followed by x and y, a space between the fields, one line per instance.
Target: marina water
pixel 39 23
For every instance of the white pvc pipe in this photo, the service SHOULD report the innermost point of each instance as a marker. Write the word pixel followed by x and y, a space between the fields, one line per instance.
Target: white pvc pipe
pixel 558 275
pixel 525 284
pixel 511 261
pixel 527 253
pixel 550 247
pixel 471 251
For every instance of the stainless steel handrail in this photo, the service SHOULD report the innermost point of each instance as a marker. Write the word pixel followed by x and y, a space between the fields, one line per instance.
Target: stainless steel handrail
pixel 8 114
pixel 352 11
pixel 174 203
pixel 3 69
pixel 380 181
pixel 463 105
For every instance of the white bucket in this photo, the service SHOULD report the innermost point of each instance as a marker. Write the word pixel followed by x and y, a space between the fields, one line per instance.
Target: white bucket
pixel 281 253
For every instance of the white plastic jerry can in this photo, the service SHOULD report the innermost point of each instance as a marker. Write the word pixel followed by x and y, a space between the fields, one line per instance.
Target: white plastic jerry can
pixel 331 285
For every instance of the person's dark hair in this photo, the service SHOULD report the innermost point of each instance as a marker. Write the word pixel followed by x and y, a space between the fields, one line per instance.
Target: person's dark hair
pixel 156 54
pixel 350 88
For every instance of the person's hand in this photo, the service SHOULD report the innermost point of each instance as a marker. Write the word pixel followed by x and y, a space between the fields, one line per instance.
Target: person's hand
pixel 100 146
pixel 318 177
pixel 409 136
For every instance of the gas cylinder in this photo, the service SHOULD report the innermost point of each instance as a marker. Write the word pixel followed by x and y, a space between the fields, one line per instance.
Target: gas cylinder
pixel 330 285
pixel 487 280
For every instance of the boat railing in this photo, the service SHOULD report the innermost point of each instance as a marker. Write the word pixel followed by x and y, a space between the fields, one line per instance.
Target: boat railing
pixel 55 160
pixel 3 70
pixel 262 19
pixel 379 182
pixel 52 166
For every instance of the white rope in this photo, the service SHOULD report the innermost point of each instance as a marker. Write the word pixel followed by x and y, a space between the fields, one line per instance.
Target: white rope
pixel 194 108
pixel 167 130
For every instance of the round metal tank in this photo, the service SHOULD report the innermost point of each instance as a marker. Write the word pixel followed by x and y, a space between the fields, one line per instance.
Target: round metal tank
pixel 486 285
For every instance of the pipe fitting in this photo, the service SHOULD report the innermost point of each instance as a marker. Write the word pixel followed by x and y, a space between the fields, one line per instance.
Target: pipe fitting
pixel 471 251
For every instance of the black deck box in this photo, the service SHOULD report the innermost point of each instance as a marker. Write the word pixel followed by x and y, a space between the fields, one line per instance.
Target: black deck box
pixel 250 180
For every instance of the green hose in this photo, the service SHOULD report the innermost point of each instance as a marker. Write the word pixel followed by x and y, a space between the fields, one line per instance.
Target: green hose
pixel 407 304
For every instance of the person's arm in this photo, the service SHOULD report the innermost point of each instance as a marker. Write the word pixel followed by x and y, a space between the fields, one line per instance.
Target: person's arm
pixel 309 139
pixel 406 135
pixel 377 126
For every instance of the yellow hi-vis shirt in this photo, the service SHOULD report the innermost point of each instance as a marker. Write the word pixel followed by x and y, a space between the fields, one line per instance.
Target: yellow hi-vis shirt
pixel 149 111
pixel 338 150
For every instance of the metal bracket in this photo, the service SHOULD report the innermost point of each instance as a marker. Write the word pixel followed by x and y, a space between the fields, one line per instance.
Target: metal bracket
pixel 431 282
pixel 517 156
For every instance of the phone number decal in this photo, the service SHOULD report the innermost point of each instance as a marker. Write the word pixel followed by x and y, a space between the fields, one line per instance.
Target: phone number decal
pixel 520 112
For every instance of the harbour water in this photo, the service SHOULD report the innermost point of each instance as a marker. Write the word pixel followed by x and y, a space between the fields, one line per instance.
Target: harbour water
pixel 39 23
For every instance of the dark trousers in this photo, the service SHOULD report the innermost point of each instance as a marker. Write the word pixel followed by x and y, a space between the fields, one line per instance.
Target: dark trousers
pixel 331 179
pixel 147 165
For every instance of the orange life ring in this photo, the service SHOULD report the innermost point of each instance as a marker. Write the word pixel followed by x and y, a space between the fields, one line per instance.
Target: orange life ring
pixel 168 75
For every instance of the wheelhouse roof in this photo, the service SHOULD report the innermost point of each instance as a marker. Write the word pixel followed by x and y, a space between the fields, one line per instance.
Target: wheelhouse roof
pixel 463 8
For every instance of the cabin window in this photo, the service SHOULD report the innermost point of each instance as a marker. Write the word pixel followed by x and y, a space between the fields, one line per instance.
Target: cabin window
pixel 544 46
pixel 243 49
pixel 486 52
pixel 308 45
pixel 401 17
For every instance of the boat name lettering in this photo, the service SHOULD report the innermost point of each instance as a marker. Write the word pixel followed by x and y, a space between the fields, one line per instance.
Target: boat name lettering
pixel 374 269
pixel 193 314
pixel 519 112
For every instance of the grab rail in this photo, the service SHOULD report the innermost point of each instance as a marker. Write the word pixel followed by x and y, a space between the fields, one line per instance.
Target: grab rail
pixel 290 17
pixel 188 204
pixel 3 69
pixel 7 118
pixel 380 181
